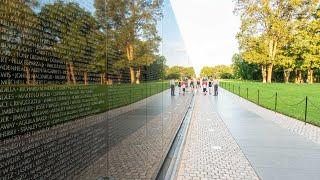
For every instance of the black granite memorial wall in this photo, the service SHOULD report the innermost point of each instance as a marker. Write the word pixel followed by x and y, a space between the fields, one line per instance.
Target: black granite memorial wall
pixel 82 90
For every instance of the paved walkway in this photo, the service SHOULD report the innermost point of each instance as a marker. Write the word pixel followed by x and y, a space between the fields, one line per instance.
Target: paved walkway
pixel 226 140
pixel 210 151
pixel 275 152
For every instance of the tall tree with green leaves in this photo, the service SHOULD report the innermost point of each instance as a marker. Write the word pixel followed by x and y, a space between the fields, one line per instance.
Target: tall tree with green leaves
pixel 131 24
pixel 307 42
pixel 270 19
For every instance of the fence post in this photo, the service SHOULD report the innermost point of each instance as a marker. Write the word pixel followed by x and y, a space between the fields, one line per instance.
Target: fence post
pixel 247 93
pixel 276 102
pixel 233 88
pixel 239 90
pixel 258 97
pixel 306 111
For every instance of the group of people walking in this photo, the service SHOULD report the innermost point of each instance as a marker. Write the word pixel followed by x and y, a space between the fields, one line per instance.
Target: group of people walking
pixel 208 86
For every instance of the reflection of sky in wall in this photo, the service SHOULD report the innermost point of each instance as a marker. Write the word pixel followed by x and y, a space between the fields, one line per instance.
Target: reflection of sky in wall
pixel 173 47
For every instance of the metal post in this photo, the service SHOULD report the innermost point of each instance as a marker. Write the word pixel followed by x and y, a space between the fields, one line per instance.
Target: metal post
pixel 247 93
pixel 258 97
pixel 239 90
pixel 276 102
pixel 306 111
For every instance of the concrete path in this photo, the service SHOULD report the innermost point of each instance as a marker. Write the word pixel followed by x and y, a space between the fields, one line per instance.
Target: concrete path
pixel 210 151
pixel 274 152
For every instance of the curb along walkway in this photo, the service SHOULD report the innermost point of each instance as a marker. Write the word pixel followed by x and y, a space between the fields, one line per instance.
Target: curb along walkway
pixel 210 151
pixel 274 152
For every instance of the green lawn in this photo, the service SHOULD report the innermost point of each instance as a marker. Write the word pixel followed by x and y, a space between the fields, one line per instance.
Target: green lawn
pixel 291 98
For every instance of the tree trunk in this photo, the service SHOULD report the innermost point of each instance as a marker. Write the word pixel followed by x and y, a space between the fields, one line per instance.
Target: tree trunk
pixel 269 73
pixel 73 78
pixel 27 73
pixel 132 75
pixel 286 75
pixel 68 73
pixel 34 78
pixel 102 78
pixel 298 76
pixel 264 73
pixel 138 76
pixel 129 50
pixel 310 75
pixel 85 78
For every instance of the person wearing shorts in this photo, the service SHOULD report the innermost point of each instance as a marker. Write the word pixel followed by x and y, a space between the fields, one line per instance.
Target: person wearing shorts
pixel 204 86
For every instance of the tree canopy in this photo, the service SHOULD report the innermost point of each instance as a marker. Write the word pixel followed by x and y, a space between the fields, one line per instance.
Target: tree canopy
pixel 279 33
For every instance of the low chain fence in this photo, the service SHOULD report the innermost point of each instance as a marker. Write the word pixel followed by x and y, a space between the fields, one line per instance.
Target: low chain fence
pixel 305 109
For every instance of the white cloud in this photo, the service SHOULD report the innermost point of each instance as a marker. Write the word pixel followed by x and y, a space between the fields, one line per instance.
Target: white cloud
pixel 208 28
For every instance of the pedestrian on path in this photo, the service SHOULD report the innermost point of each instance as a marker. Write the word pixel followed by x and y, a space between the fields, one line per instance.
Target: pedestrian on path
pixel 179 85
pixel 172 86
pixel 216 85
pixel 204 86
pixel 210 86
pixel 183 87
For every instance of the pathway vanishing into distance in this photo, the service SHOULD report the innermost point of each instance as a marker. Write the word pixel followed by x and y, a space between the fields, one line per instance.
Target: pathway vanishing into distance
pixel 228 141
pixel 210 151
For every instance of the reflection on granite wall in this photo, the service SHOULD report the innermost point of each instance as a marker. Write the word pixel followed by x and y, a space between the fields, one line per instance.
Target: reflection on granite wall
pixel 82 94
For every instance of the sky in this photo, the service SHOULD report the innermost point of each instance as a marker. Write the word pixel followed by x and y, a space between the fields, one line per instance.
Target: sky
pixel 194 32
pixel 208 29
pixel 172 45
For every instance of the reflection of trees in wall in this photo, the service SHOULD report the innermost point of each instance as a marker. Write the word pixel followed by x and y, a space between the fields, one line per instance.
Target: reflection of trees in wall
pixel 61 41
pixel 75 37
pixel 132 24
pixel 19 39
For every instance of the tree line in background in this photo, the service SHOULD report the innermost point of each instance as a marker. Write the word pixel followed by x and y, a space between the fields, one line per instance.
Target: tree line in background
pixel 217 72
pixel 118 39
pixel 280 39
pixel 180 72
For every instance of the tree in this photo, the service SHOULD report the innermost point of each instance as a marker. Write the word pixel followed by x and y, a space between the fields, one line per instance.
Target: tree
pixel 218 72
pixel 243 70
pixel 270 21
pixel 188 72
pixel 173 72
pixel 131 24
pixel 73 39
pixel 307 43
pixel 206 71
pixel 179 72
